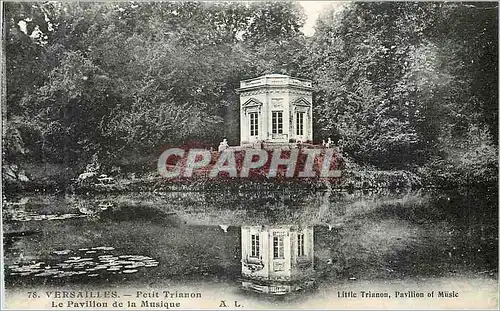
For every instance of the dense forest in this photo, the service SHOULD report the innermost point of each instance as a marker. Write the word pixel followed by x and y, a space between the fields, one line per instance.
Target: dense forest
pixel 398 85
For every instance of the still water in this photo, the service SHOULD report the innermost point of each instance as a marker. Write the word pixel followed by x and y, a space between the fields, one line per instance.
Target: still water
pixel 257 250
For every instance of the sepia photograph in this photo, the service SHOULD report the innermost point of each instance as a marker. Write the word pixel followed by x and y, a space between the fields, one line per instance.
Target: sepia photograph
pixel 249 155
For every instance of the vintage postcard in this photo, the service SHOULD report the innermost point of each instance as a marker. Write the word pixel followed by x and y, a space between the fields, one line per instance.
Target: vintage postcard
pixel 249 155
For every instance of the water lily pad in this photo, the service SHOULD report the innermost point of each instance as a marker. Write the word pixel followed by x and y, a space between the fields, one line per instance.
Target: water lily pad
pixel 64 265
pixel 66 273
pixel 125 262
pixel 78 265
pixel 115 268
pixel 85 259
pixel 46 273
pixel 62 252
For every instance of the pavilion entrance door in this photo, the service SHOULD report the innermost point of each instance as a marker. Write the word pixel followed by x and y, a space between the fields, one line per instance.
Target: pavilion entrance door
pixel 253 118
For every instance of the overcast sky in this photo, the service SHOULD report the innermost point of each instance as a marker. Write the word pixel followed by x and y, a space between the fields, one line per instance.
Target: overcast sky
pixel 313 9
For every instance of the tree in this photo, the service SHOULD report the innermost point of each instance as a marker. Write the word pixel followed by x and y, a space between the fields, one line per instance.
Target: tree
pixel 119 79
pixel 395 78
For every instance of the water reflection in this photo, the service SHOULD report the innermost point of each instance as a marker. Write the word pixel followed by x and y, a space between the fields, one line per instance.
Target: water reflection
pixel 274 245
pixel 277 259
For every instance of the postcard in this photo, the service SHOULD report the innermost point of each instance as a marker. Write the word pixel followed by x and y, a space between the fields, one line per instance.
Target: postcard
pixel 245 155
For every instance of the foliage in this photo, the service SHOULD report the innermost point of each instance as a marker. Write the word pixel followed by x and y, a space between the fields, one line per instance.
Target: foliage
pixel 128 78
pixel 471 160
pixel 407 85
pixel 398 85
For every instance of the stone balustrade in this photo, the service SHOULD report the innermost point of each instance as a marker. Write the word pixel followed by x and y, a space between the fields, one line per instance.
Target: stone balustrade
pixel 275 80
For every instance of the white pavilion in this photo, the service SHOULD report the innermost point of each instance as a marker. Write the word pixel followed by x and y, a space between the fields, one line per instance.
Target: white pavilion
pixel 275 108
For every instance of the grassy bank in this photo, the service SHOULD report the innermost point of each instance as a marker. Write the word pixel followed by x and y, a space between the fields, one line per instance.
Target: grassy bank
pixel 58 179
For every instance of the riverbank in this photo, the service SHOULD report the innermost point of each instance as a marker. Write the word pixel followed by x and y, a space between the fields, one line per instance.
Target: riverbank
pixel 55 179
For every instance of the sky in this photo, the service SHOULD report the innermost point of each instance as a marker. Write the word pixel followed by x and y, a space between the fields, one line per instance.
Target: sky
pixel 313 9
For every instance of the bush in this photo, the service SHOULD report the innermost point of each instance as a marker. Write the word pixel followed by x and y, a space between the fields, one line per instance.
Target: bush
pixel 470 161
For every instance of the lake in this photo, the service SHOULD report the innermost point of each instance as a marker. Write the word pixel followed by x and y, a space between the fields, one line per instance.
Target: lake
pixel 397 244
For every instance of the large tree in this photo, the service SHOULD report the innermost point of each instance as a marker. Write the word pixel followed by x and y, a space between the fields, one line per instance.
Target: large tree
pixel 397 82
pixel 128 78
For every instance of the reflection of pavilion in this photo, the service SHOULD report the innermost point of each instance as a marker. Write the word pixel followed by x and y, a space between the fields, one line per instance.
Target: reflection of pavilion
pixel 277 259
